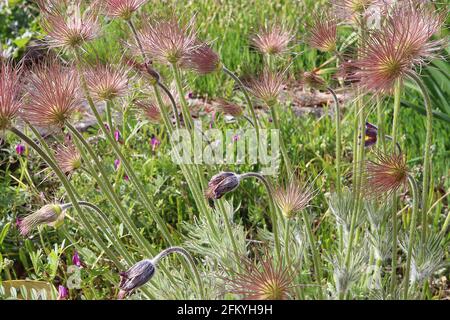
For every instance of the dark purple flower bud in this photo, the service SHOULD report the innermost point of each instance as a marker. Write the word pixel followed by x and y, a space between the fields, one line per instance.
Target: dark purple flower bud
pixel 63 293
pixel 20 149
pixel 136 276
pixel 236 138
pixel 222 183
pixel 107 127
pixel 76 259
pixel 371 135
pixel 126 178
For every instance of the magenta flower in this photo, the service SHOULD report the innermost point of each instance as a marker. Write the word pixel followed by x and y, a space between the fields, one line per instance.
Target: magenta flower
pixel 117 135
pixel 63 293
pixel 154 142
pixel 236 138
pixel 20 149
pixel 76 259
pixel 116 164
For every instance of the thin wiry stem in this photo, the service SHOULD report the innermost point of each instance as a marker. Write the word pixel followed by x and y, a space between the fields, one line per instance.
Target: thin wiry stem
pixel 186 255
pixel 247 98
pixel 397 93
pixel 412 229
pixel 338 140
pixel 130 172
pixel 71 193
pixel 427 156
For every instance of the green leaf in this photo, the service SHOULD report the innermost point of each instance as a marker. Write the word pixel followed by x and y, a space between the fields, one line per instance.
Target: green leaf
pixel 4 232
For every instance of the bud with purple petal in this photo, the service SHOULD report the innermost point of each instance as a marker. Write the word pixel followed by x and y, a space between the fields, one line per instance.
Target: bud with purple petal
pixel 20 149
pixel 222 183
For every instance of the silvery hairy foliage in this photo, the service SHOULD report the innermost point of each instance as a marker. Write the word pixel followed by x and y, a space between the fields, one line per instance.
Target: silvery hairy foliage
pixel 380 233
pixel 341 206
pixel 427 257
pixel 345 276
pixel 297 241
pixel 201 240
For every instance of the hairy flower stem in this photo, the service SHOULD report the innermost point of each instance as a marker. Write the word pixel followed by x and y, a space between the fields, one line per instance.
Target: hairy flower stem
pixel 380 124
pixel 184 105
pixel 109 117
pixel 412 229
pixel 273 208
pixel 397 94
pixel 109 191
pixel 124 161
pixel 106 224
pixel 276 122
pixel 187 172
pixel 314 253
pixel 338 140
pixel 187 256
pixel 161 85
pixel 71 193
pixel 427 156
pixel 247 99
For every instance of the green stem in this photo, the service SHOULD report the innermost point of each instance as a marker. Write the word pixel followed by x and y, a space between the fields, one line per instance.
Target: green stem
pixel 109 191
pixel 71 193
pixel 338 140
pixel 186 255
pixel 276 122
pixel 273 208
pixel 427 156
pixel 412 229
pixel 381 141
pixel 184 105
pixel 124 161
pixel 397 95
pixel 109 117
pixel 315 256
pixel 247 99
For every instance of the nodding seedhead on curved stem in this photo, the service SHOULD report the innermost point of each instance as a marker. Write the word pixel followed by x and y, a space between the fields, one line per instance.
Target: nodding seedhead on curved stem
pixel 50 214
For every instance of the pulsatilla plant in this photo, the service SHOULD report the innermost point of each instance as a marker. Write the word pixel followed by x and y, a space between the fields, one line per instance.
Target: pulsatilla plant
pixel 344 248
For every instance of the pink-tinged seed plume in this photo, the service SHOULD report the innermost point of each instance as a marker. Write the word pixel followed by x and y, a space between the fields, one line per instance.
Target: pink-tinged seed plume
pixel 350 9
pixel 69 25
pixel 53 95
pixel 68 157
pixel 386 174
pixel 267 86
pixel 293 197
pixel 228 107
pixel 167 41
pixel 203 60
pixel 150 110
pixel 10 93
pixel 272 40
pixel 266 280
pixel 107 82
pixel 390 54
pixel 411 26
pixel 323 32
pixel 123 9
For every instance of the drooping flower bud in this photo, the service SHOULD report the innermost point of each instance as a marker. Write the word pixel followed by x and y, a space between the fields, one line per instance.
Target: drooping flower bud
pixel 222 183
pixel 135 277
